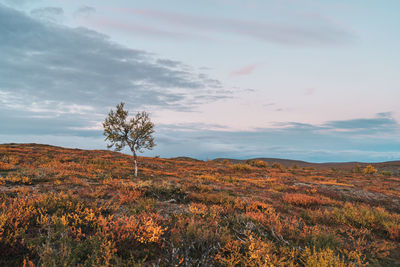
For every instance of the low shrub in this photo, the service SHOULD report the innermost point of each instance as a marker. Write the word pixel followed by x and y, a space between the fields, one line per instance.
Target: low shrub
pixel 128 195
pixel 322 258
pixel 302 200
pixel 6 166
pixel 193 243
pixel 386 173
pixel 243 167
pixel 277 165
pixel 166 192
pixel 60 249
pixel 259 164
pixel 18 180
pixel 361 216
pixel 369 170
pixel 324 240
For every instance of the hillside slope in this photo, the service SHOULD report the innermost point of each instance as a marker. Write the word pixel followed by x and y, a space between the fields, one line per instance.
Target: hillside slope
pixel 76 207
pixel 393 166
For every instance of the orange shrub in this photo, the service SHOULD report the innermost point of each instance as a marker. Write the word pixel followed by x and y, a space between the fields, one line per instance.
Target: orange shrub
pixel 259 164
pixel 230 254
pixel 143 229
pixel 261 253
pixel 18 179
pixel 6 166
pixel 393 229
pixel 325 257
pixel 128 195
pixel 369 170
pixel 198 209
pixel 241 167
pixel 277 165
pixel 302 200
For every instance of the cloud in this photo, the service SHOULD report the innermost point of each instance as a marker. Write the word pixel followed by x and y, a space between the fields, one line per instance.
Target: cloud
pixel 146 30
pixel 246 70
pixel 374 139
pixel 57 80
pixel 16 2
pixel 362 139
pixel 51 14
pixel 84 11
pixel 385 114
pixel 47 62
pixel 169 63
pixel 383 123
pixel 315 31
pixel 19 122
pixel 309 91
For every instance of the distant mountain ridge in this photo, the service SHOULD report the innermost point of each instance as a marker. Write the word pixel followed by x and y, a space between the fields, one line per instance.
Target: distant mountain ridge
pixel 387 165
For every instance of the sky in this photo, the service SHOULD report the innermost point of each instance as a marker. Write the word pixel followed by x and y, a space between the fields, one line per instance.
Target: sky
pixel 297 79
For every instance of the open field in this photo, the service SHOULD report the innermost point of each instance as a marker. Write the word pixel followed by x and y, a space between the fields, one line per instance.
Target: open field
pixel 69 207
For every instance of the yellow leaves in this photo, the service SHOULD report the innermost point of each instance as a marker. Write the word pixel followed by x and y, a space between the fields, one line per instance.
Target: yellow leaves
pixel 77 181
pixel 198 209
pixel 230 255
pixel 259 206
pixel 241 167
pixel 256 253
pixel 15 179
pixel 323 258
pixel 6 166
pixel 110 181
pixel 78 218
pixel 239 204
pixel 43 219
pixel 3 221
pixel 201 210
pixel 89 215
pixel 128 195
pixel 302 200
pixel 334 182
pixel 143 229
pixel 360 216
pixel 260 253
pixel 277 165
pixel 392 227
pixel 259 164
pixel 150 231
pixel 208 177
pixel 369 169
pixel 63 220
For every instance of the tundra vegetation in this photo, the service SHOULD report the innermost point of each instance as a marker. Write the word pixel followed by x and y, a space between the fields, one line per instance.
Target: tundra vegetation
pixel 69 207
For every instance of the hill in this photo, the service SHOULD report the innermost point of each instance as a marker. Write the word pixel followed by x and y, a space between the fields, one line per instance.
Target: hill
pixel 71 207
pixel 393 166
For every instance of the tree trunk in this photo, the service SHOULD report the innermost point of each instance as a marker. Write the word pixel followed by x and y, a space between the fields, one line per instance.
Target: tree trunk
pixel 135 160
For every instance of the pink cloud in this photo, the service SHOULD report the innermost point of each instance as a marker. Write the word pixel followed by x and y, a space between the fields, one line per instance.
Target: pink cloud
pixel 315 30
pixel 246 70
pixel 309 91
pixel 131 27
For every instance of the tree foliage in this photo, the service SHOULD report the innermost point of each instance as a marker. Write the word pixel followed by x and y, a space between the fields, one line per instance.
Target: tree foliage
pixel 136 132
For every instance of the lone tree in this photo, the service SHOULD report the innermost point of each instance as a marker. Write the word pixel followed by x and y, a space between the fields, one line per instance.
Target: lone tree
pixel 136 132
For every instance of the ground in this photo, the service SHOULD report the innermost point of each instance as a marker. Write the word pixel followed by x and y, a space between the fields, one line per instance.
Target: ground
pixel 70 207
